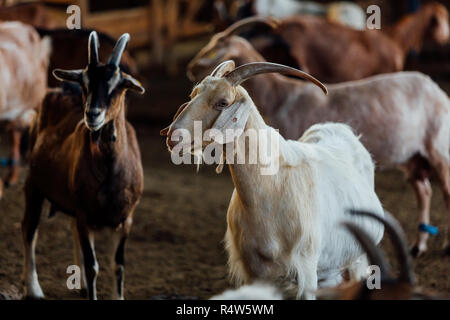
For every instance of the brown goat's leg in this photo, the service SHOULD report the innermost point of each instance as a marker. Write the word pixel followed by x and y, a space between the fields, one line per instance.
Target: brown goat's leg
pixel 86 237
pixel 30 222
pixel 14 141
pixel 118 259
pixel 78 258
pixel 423 190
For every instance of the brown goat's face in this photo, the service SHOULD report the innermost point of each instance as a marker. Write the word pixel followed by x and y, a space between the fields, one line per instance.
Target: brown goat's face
pixel 102 85
pixel 439 28
pixel 219 49
pixel 208 99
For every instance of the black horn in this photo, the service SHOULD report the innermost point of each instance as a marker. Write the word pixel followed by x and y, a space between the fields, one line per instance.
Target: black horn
pixel 399 241
pixel 119 48
pixel 93 48
pixel 374 254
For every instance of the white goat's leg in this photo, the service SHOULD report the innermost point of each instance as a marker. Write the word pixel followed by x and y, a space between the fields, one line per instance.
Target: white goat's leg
pixel 14 156
pixel 441 165
pixel 423 190
pixel 307 278
pixel 33 208
pixel 78 258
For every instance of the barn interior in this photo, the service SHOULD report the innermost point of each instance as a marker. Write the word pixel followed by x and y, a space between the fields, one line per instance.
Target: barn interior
pixel 176 249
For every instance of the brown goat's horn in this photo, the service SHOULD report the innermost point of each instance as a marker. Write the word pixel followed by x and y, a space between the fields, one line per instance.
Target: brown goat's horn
pixel 93 48
pixel 119 48
pixel 376 257
pixel 247 22
pixel 246 71
pixel 399 241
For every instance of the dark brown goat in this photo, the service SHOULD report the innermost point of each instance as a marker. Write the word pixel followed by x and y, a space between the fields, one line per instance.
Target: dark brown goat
pixel 68 43
pixel 85 161
pixel 335 53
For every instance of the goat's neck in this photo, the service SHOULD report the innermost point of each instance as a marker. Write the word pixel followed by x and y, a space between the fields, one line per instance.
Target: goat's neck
pixel 247 176
pixel 109 142
pixel 410 31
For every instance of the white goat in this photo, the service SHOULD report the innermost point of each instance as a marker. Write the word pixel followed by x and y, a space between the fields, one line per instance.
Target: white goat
pixel 283 228
pixel 24 59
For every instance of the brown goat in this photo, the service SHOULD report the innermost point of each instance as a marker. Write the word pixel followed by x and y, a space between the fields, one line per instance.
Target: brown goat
pixel 403 117
pixel 68 43
pixel 401 287
pixel 335 53
pixel 23 82
pixel 85 161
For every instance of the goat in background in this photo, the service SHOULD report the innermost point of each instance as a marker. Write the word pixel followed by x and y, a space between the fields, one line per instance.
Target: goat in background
pixel 24 58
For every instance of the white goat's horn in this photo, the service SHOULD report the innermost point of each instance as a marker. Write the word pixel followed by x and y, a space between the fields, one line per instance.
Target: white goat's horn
pixel 247 22
pixel 399 241
pixel 119 48
pixel 93 48
pixel 374 254
pixel 246 71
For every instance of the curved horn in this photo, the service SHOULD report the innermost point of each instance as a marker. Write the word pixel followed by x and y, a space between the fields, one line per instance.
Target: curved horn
pixel 246 71
pixel 119 48
pixel 399 242
pixel 237 27
pixel 376 257
pixel 93 48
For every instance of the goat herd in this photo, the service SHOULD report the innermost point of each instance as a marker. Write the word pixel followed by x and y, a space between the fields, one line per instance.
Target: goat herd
pixel 311 229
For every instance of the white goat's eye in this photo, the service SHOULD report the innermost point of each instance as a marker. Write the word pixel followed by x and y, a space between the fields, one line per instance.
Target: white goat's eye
pixel 221 104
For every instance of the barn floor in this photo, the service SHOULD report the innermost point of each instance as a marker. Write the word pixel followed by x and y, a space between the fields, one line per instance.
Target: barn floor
pixel 176 247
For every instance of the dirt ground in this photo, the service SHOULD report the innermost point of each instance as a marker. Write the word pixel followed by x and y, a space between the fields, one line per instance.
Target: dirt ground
pixel 176 244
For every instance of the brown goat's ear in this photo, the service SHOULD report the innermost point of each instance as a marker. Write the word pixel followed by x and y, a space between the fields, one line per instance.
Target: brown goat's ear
pixel 68 75
pixel 131 83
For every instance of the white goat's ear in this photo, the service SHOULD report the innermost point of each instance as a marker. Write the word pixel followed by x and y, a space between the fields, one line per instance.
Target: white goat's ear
pixel 231 122
pixel 131 83
pixel 223 69
pixel 68 75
